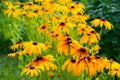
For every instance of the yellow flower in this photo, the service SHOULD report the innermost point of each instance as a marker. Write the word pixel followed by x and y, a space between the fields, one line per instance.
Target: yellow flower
pixel 34 47
pixel 43 28
pixel 44 61
pixel 67 45
pixel 70 63
pixel 64 26
pixel 32 70
pixel 17 45
pixel 89 64
pixel 114 67
pixel 76 7
pixel 90 38
pixel 12 10
pixel 83 28
pixel 101 22
pixel 81 52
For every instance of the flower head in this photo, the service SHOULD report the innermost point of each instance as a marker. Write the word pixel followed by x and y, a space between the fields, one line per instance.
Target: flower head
pixel 102 22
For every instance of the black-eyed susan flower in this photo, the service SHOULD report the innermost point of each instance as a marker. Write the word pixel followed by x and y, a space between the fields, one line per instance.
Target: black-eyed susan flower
pixel 54 34
pixel 70 63
pixel 101 22
pixel 80 67
pixel 76 7
pixel 32 70
pixel 12 10
pixel 113 66
pixel 63 26
pixel 89 64
pixel 45 61
pixel 43 28
pixel 81 52
pixel 90 37
pixel 34 47
pixel 17 45
pixel 83 28
pixel 67 45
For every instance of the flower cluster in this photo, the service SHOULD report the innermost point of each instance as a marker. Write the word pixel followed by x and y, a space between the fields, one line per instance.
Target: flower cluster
pixel 63 22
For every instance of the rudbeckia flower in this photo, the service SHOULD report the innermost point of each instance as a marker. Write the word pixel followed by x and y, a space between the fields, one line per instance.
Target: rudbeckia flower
pixel 54 34
pixel 89 64
pixel 90 38
pixel 32 70
pixel 34 47
pixel 67 45
pixel 12 10
pixel 70 63
pixel 114 67
pixel 64 26
pixel 17 45
pixel 81 52
pixel 83 28
pixel 101 22
pixel 43 28
pixel 44 61
pixel 76 7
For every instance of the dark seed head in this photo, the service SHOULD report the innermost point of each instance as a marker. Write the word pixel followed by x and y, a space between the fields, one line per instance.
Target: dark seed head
pixel 72 7
pixel 73 60
pixel 35 11
pixel 88 34
pixel 43 27
pixel 69 40
pixel 34 43
pixel 39 58
pixel 103 19
pixel 18 42
pixel 32 67
pixel 82 49
pixel 92 32
pixel 62 24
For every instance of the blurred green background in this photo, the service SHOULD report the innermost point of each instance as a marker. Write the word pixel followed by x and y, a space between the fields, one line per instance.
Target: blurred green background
pixel 110 47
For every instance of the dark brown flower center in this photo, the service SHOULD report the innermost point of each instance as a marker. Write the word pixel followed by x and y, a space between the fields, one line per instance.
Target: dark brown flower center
pixel 73 60
pixel 62 24
pixel 57 35
pixel 103 19
pixel 39 58
pixel 69 40
pixel 43 27
pixel 88 34
pixel 34 43
pixel 30 4
pixel 32 67
pixel 82 49
pixel 72 7
pixel 13 9
pixel 92 32
pixel 35 11
pixel 18 42
pixel 83 29
pixel 116 69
